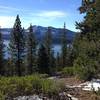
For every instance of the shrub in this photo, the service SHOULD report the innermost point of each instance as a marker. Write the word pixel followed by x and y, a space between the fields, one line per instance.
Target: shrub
pixel 68 71
pixel 2 96
pixel 84 68
pixel 28 85
pixel 83 73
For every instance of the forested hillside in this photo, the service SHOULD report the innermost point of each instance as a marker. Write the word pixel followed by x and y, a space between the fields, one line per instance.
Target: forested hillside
pixel 33 68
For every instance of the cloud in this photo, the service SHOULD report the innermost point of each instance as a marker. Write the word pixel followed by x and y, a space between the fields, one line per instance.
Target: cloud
pixel 47 17
pixel 49 14
pixel 44 18
pixel 7 21
pixel 8 9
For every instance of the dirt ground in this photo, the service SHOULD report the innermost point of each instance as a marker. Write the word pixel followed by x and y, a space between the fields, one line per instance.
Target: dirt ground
pixel 78 92
pixel 70 81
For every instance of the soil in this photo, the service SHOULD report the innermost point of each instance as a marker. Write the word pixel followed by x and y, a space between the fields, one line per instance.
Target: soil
pixel 78 92
pixel 70 81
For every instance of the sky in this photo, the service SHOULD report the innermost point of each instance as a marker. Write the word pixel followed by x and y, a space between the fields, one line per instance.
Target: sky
pixel 40 12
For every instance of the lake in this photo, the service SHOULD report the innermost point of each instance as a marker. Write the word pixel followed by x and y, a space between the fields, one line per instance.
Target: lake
pixel 56 48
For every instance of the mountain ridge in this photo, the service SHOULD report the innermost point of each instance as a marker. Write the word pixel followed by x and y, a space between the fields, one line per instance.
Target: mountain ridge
pixel 40 32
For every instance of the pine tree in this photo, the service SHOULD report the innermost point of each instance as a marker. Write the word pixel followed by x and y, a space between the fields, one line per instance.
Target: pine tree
pixel 48 44
pixel 16 46
pixel 10 70
pixel 58 61
pixel 52 67
pixel 70 56
pixel 2 70
pixel 87 44
pixel 31 51
pixel 63 46
pixel 48 40
pixel 43 60
pixel 97 17
pixel 88 25
pixel 86 5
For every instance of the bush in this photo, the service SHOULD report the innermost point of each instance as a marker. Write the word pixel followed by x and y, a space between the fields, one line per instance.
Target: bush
pixel 84 68
pixel 2 96
pixel 83 73
pixel 28 85
pixel 68 71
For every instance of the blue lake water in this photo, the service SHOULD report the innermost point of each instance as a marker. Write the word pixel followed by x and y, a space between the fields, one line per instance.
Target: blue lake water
pixel 56 48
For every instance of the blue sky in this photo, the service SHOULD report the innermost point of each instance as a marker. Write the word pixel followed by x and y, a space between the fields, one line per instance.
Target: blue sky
pixel 40 12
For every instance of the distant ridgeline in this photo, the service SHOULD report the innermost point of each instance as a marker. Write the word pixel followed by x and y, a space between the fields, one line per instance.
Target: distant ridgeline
pixel 40 31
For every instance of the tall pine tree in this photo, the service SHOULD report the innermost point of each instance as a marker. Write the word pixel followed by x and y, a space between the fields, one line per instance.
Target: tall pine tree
pixel 52 67
pixel 2 70
pixel 16 46
pixel 31 51
pixel 48 40
pixel 48 44
pixel 88 40
pixel 58 61
pixel 43 60
pixel 64 46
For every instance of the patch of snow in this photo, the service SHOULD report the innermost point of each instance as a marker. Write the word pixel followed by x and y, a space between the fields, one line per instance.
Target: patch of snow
pixel 88 86
pixel 72 98
pixel 91 85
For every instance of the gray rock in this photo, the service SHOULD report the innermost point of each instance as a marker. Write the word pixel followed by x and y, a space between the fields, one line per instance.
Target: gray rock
pixel 34 97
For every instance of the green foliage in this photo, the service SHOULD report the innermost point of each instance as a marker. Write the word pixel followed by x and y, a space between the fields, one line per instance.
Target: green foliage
pixel 43 60
pixel 31 44
pixel 87 59
pixel 52 87
pixel 34 84
pixel 63 47
pixel 2 96
pixel 16 46
pixel 48 40
pixel 58 62
pixel 47 86
pixel 48 43
pixel 84 68
pixel 86 45
pixel 68 71
pixel 52 66
pixel 2 70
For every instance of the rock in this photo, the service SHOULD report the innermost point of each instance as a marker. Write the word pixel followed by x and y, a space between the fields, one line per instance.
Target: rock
pixel 71 97
pixel 65 96
pixel 34 97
